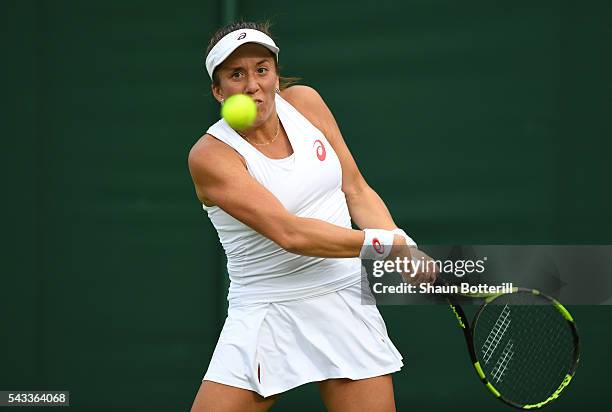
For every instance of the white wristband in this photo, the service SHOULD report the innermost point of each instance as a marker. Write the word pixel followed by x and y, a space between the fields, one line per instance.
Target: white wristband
pixel 409 240
pixel 377 244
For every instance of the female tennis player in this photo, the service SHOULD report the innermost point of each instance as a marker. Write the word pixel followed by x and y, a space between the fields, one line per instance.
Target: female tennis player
pixel 281 195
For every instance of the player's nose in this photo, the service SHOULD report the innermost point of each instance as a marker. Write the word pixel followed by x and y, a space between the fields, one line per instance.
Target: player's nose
pixel 251 85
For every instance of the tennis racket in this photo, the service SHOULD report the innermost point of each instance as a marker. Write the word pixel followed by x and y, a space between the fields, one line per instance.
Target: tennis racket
pixel 523 345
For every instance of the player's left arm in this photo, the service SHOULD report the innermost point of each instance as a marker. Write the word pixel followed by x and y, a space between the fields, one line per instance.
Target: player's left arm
pixel 366 208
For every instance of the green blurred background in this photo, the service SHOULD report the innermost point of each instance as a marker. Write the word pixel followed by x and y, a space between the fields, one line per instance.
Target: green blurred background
pixel 477 122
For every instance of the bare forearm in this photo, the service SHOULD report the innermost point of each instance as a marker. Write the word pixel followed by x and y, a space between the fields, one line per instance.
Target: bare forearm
pixel 314 237
pixel 368 210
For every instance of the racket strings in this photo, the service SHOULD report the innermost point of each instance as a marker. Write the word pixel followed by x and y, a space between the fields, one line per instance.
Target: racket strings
pixel 524 346
pixel 496 334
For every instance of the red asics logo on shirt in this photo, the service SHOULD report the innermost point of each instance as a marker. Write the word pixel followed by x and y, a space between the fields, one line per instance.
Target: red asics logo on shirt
pixel 378 247
pixel 320 149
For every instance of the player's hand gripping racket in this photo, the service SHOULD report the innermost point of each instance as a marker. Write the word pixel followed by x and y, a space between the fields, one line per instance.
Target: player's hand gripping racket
pixel 523 344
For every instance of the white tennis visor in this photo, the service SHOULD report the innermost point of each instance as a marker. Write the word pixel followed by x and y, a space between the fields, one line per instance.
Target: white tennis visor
pixel 232 41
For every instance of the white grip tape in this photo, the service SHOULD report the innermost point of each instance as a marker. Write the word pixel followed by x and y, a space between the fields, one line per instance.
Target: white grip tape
pixel 409 240
pixel 377 244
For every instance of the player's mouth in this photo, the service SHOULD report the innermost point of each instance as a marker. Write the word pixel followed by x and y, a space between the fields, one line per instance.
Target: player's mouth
pixel 258 102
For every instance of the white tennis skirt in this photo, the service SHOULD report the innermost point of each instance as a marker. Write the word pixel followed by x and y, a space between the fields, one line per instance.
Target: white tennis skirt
pixel 270 348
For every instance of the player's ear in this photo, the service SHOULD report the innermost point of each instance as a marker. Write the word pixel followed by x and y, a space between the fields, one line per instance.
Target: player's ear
pixel 216 91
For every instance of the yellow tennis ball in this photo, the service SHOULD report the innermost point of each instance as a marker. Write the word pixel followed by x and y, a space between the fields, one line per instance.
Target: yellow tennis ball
pixel 239 111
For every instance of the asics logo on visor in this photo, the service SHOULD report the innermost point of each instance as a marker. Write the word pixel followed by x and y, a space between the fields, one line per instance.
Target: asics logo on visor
pixel 378 247
pixel 242 36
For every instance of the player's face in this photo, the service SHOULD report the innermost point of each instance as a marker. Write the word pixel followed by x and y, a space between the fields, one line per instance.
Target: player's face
pixel 251 70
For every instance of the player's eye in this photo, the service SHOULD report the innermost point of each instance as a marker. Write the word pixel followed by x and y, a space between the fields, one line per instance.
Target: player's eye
pixel 236 75
pixel 262 70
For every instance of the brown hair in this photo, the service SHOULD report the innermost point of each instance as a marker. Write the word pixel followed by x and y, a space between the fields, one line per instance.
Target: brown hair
pixel 263 27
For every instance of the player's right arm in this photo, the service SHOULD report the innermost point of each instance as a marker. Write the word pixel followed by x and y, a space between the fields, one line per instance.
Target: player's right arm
pixel 221 178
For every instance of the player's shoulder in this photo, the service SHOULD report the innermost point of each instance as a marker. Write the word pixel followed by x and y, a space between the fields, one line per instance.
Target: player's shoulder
pixel 308 102
pixel 208 151
pixel 303 98
pixel 300 91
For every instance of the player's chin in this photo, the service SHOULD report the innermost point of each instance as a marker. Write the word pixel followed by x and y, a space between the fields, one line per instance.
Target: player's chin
pixel 264 112
pixel 262 115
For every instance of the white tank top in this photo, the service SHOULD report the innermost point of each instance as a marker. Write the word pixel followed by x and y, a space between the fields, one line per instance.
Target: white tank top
pixel 309 184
